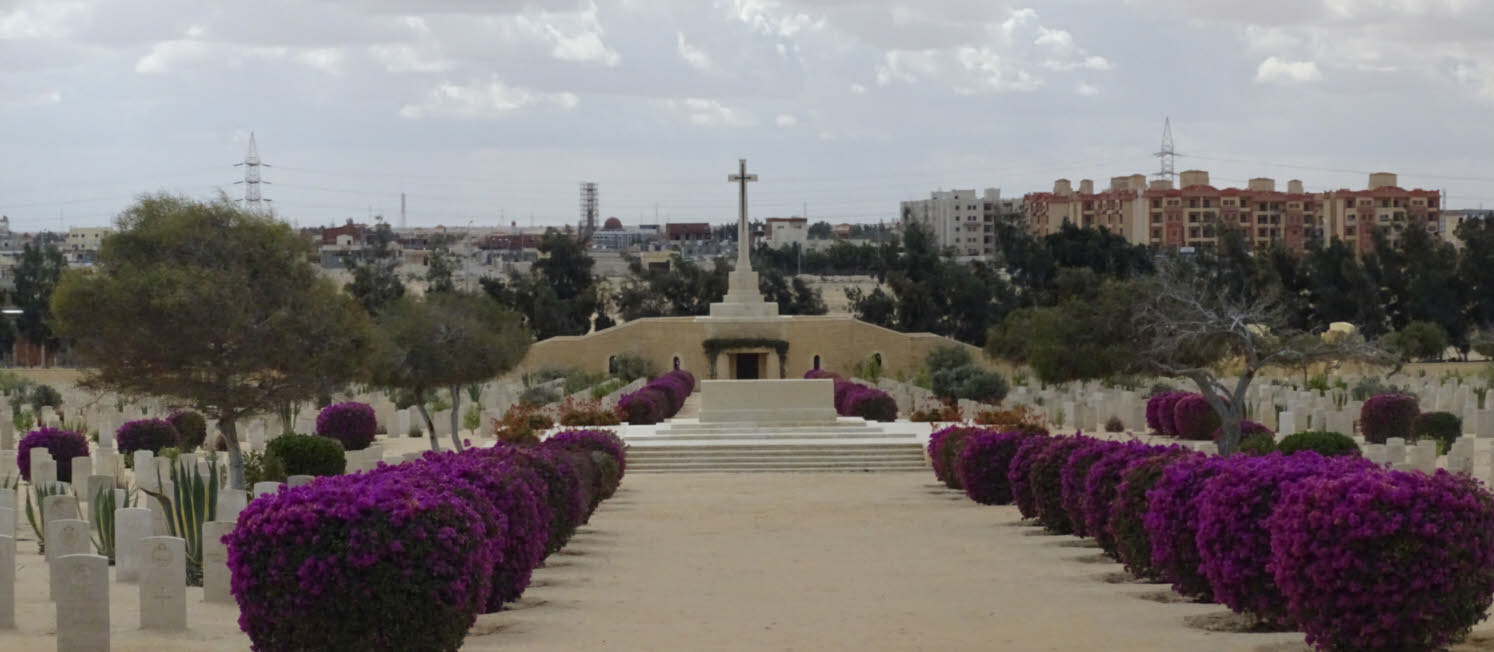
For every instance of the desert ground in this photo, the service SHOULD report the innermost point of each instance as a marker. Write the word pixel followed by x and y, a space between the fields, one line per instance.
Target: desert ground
pixel 886 561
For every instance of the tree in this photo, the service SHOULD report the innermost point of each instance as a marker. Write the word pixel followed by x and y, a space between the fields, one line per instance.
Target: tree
pixel 684 289
pixel 213 306
pixel 1087 336
pixel 376 272
pixel 445 340
pixel 1476 270
pixel 821 229
pixel 36 277
pixel 1419 340
pixel 794 297
pixel 932 293
pixel 560 295
pixel 1185 329
pixel 439 271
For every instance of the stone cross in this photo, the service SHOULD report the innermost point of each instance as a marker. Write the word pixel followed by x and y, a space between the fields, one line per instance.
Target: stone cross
pixel 215 575
pixel 131 526
pixel 82 603
pixel 68 536
pixel 163 583
pixel 744 233
pixel 8 580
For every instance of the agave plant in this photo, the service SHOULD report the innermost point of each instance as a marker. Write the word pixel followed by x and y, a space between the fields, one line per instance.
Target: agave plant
pixel 37 515
pixel 193 501
pixel 103 505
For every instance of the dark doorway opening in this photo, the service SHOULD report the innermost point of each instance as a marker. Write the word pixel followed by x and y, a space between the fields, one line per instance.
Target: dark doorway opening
pixel 748 367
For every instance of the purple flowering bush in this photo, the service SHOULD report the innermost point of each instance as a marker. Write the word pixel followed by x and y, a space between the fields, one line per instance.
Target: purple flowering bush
pixel 1234 547
pixel 1384 560
pixel 352 423
pixel 350 562
pixel 1159 412
pixel 63 445
pixel 949 450
pixel 870 403
pixel 936 442
pixel 144 435
pixel 1099 489
pixel 1172 521
pixel 1133 546
pixel 983 463
pixel 1193 418
pixel 1388 415
pixel 1075 474
pixel 1018 475
pixel 1046 479
pixel 660 399
pixel 563 493
pixel 604 441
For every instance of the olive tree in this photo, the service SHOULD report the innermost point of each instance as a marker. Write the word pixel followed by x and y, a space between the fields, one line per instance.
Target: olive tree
pixel 213 306
pixel 446 340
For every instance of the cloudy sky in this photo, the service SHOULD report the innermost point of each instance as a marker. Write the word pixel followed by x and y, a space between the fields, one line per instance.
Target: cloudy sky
pixel 489 110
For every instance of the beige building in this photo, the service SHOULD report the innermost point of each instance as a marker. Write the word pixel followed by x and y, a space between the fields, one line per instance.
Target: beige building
pixel 961 220
pixel 1193 214
pixel 780 232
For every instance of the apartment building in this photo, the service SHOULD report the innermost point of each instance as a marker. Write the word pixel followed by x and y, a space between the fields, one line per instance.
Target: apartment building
pixel 1193 213
pixel 783 232
pixel 961 220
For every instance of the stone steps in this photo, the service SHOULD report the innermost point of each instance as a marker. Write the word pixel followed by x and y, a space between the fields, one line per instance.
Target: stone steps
pixel 809 456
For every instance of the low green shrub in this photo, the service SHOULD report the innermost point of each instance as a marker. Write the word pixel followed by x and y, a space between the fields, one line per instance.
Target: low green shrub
pixel 539 395
pixel 191 427
pixel 1328 444
pixel 1441 426
pixel 1114 424
pixel 1259 443
pixel 307 455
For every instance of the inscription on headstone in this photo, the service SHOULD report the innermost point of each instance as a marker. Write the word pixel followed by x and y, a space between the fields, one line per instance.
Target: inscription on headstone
pixel 163 583
pixel 82 603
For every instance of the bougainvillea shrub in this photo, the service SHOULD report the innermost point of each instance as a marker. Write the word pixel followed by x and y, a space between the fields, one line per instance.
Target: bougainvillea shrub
pixel 1073 477
pixel 352 423
pixel 144 435
pixel 1100 489
pixel 1046 479
pixel 1384 560
pixel 936 441
pixel 1133 547
pixel 563 493
pixel 660 399
pixel 605 441
pixel 949 452
pixel 1234 547
pixel 1387 415
pixel 1193 418
pixel 1154 411
pixel 364 562
pixel 871 404
pixel 63 445
pixel 1160 419
pixel 1172 521
pixel 1018 474
pixel 983 464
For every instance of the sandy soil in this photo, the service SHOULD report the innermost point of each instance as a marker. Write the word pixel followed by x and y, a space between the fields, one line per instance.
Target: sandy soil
pixel 784 562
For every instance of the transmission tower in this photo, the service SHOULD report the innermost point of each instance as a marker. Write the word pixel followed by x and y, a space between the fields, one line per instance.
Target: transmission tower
pixel 588 223
pixel 1168 155
pixel 253 200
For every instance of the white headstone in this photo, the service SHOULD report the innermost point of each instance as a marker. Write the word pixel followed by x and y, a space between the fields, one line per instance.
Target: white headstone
pixel 257 435
pixel 8 498
pixel 163 469
pixel 82 467
pixel 1395 450
pixel 60 506
pixel 68 536
pixel 82 603
pixel 299 480
pixel 43 467
pixel 411 457
pixel 8 581
pixel 1286 423
pixel 1426 456
pixel 402 424
pixel 230 503
pixel 144 463
pixel 47 416
pixel 1483 423
pixel 1375 453
pixel 262 488
pixel 163 583
pixel 215 575
pixel 7 521
pixel 131 526
pixel 8 470
pixel 7 431
pixel 106 431
pixel 159 526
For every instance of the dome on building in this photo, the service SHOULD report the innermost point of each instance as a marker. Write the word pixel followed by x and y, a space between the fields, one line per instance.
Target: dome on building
pixel 612 224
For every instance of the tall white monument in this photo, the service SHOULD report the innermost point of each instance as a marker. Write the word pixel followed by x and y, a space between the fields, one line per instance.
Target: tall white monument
pixel 743 300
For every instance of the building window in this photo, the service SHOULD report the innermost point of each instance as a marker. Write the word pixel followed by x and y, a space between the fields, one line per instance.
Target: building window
pixel 817 362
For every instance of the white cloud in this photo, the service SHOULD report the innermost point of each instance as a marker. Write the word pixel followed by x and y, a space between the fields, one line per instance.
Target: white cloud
pixel 704 112
pixel 786 121
pixel 858 89
pixel 403 57
pixel 328 60
pixel 695 57
pixel 176 54
pixel 41 20
pixel 771 18
pixel 479 98
pixel 1278 71
pixel 1087 90
pixel 573 36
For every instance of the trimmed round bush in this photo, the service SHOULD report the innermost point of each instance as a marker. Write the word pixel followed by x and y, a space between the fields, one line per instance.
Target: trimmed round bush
pixel 936 442
pixel 1100 489
pixel 1443 427
pixel 191 429
pixel 563 493
pixel 1384 560
pixel 605 441
pixel 1075 474
pixel 1046 476
pixel 1234 547
pixel 351 423
pixel 1248 429
pixel 1327 444
pixel 1193 418
pixel 63 445
pixel 350 563
pixel 1018 475
pixel 983 463
pixel 1257 444
pixel 1388 415
pixel 640 407
pixel 949 451
pixel 871 404
pixel 1172 521
pixel 144 435
pixel 1133 546
pixel 1159 412
pixel 308 455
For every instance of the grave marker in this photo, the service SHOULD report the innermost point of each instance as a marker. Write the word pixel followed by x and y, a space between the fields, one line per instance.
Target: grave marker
pixel 163 583
pixel 68 536
pixel 131 526
pixel 215 575
pixel 82 603
pixel 7 581
pixel 299 480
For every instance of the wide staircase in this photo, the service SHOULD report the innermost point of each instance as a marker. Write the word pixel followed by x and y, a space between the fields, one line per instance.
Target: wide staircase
pixel 685 445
